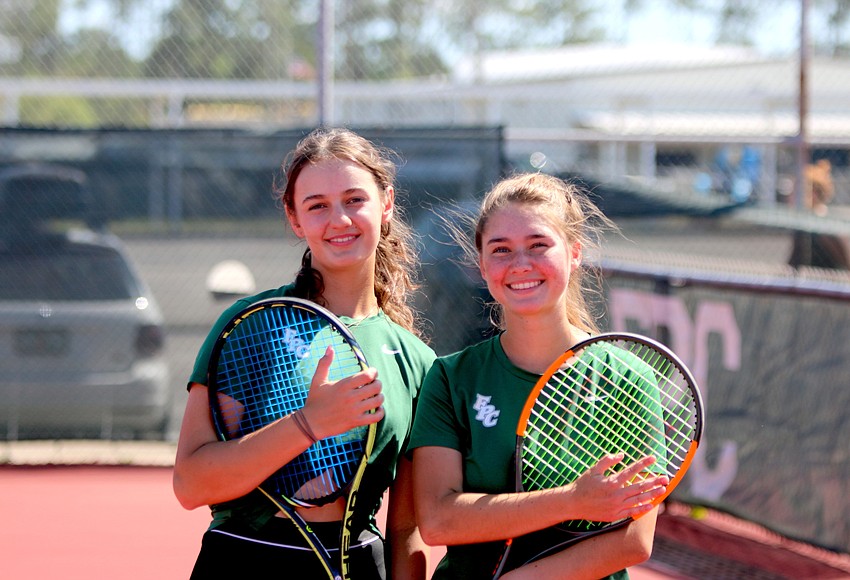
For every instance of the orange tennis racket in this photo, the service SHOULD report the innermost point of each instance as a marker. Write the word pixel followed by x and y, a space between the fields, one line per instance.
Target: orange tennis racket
pixel 613 393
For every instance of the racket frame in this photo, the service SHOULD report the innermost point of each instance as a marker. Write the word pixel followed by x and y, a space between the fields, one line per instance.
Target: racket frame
pixel 522 432
pixel 288 506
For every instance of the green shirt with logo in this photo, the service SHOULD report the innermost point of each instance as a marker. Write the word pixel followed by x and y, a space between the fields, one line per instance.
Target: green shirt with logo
pixel 402 361
pixel 471 401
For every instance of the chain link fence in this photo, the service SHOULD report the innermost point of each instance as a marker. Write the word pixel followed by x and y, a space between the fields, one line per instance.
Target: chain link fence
pixel 140 140
pixel 719 115
pixel 178 113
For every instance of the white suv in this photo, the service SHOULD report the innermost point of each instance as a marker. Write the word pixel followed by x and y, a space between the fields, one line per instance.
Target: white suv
pixel 81 337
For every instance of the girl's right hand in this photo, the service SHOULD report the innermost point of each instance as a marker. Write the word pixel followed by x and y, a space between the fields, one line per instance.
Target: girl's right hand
pixel 334 407
pixel 609 497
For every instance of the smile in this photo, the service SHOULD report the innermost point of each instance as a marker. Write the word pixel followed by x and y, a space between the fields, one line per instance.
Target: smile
pixel 342 239
pixel 525 285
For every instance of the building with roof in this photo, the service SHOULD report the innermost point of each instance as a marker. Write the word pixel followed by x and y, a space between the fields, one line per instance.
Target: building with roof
pixel 674 116
pixel 665 113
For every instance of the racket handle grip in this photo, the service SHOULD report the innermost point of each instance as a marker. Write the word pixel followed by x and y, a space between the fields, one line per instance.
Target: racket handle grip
pixel 501 564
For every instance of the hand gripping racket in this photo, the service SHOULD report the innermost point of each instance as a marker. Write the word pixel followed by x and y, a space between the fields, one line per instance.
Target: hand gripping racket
pixel 613 393
pixel 260 370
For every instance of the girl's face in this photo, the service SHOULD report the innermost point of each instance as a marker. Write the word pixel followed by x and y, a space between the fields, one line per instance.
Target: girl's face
pixel 526 262
pixel 339 210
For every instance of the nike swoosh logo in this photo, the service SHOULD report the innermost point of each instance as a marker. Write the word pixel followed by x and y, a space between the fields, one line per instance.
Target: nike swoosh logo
pixel 387 350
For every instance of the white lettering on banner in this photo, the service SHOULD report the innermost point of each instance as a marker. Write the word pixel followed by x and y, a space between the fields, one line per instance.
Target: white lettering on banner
pixel 689 339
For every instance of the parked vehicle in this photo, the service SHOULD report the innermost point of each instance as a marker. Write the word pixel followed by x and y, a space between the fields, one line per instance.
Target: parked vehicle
pixel 81 336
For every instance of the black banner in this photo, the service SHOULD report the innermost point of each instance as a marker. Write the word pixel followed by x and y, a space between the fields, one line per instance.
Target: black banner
pixel 773 364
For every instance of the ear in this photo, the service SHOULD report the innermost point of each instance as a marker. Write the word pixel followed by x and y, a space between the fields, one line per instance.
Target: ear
pixel 293 223
pixel 389 204
pixel 575 256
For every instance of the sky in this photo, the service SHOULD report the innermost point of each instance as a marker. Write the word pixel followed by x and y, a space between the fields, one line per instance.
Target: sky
pixel 657 22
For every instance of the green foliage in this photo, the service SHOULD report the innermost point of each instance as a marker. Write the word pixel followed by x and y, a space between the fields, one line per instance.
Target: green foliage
pixel 81 112
pixel 506 24
pixel 374 40
pixel 258 39
pixel 56 111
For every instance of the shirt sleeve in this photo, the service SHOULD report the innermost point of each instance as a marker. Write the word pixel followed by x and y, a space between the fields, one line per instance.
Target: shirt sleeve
pixel 202 359
pixel 435 423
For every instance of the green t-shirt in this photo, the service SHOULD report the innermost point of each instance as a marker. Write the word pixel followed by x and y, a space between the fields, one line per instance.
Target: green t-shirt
pixel 471 402
pixel 401 359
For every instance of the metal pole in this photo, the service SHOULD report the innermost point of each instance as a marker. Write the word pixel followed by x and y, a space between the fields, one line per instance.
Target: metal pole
pixel 803 101
pixel 325 62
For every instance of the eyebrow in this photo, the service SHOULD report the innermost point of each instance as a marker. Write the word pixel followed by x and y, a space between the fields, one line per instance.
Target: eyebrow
pixel 502 240
pixel 349 191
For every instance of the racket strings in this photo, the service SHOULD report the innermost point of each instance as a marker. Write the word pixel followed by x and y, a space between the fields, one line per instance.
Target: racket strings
pixel 339 462
pixel 656 415
pixel 671 380
pixel 553 462
pixel 265 369
pixel 586 445
pixel 678 398
pixel 677 411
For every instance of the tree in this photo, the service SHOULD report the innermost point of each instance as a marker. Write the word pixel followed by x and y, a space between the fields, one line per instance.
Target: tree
pixel 246 39
pixel 43 51
pixel 32 28
pixel 381 39
pixel 837 20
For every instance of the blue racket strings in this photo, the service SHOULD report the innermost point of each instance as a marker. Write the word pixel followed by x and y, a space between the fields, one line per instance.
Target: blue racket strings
pixel 268 364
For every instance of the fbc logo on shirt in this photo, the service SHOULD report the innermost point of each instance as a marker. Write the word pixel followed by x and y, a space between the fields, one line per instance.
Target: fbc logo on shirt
pixel 487 413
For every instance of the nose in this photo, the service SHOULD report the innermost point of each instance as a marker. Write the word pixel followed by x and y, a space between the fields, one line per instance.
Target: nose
pixel 520 262
pixel 340 217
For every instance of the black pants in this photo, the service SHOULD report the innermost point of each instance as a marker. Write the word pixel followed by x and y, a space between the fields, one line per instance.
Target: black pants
pixel 235 550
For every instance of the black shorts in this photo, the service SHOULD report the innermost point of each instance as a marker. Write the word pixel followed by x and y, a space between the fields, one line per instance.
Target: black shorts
pixel 235 550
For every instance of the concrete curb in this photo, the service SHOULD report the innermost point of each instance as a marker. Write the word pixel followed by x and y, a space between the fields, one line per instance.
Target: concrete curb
pixel 87 452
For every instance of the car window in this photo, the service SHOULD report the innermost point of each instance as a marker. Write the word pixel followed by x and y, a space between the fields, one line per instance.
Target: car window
pixel 78 273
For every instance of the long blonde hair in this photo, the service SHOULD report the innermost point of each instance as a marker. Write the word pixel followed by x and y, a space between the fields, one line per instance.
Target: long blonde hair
pixel 396 260
pixel 570 211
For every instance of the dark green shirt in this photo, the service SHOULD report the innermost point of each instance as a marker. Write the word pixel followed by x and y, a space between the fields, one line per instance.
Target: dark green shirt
pixel 471 402
pixel 401 359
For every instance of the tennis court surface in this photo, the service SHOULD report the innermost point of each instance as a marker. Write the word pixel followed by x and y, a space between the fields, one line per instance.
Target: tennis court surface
pixel 106 510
